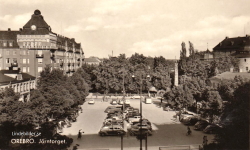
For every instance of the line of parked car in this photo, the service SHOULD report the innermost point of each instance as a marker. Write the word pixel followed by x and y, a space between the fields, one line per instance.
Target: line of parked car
pixel 199 124
pixel 117 115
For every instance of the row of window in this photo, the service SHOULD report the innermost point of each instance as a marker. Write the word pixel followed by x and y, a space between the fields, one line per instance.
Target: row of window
pixel 24 60
pixel 10 44
pixel 24 52
pixel 31 35
pixel 39 60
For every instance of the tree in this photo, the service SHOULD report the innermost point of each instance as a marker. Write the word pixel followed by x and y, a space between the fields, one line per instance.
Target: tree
pixel 236 134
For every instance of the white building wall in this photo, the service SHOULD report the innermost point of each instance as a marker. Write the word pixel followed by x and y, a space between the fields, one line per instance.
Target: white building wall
pixel 244 64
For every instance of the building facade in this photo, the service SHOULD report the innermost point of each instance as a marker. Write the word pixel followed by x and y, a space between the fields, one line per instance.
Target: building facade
pixel 35 46
pixel 238 47
pixel 21 83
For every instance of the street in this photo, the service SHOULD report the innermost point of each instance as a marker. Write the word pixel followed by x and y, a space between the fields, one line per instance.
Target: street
pixel 167 130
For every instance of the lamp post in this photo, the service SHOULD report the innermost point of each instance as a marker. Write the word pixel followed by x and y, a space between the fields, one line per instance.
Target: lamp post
pixel 123 107
pixel 133 76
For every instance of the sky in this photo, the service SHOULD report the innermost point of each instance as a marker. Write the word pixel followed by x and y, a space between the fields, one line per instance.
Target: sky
pixel 149 27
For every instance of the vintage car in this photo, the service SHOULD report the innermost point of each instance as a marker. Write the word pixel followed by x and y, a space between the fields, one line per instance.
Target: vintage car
pixel 111 130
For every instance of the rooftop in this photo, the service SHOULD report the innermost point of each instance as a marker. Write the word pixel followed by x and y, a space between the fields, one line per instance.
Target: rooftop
pixel 230 75
pixel 7 76
pixel 235 43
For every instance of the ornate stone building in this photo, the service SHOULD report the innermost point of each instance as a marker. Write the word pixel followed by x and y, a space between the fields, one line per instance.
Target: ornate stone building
pixel 35 45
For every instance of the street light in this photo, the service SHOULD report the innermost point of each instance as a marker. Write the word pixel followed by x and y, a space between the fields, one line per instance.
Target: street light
pixel 141 81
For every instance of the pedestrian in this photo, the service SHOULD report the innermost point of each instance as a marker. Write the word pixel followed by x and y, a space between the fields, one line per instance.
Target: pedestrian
pixel 189 131
pixel 205 140
pixel 79 134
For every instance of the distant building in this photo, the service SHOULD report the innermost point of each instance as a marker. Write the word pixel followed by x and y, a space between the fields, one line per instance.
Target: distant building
pixel 207 56
pixel 35 45
pixel 92 61
pixel 21 82
pixel 238 47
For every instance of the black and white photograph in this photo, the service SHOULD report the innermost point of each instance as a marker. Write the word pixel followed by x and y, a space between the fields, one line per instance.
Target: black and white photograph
pixel 124 74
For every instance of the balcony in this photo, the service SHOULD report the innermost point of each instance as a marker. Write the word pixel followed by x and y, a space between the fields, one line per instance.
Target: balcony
pixel 39 55
pixel 72 70
pixel 68 64
pixel 14 64
pixel 68 71
pixel 61 64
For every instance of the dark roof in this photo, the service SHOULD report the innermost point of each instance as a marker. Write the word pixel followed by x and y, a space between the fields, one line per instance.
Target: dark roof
pixel 4 79
pixel 9 36
pixel 42 27
pixel 234 44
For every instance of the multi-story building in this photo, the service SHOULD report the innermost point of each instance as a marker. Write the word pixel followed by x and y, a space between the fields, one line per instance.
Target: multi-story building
pixel 35 45
pixel 20 82
pixel 238 47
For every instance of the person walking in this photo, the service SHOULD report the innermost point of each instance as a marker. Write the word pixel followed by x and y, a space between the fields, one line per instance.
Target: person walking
pixel 79 134
pixel 189 131
pixel 204 141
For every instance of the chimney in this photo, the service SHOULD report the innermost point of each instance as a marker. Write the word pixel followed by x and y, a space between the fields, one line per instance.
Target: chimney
pixel 9 29
pixel 226 37
pixel 20 29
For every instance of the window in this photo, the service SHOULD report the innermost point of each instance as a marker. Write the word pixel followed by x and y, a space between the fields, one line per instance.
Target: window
pixel 245 60
pixel 24 69
pixel 14 60
pixel 7 60
pixel 7 52
pixel 246 68
pixel 14 52
pixel 4 44
pixel 39 52
pixel 40 60
pixel 28 69
pixel 24 52
pixel 40 69
pixel 24 61
pixel 28 61
pixel 10 44
pixel 28 52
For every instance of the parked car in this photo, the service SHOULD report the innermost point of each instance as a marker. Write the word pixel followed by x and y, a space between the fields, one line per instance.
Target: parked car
pixel 121 102
pixel 167 107
pixel 134 119
pixel 114 110
pixel 190 120
pixel 136 97
pixel 135 129
pixel 144 121
pixel 112 107
pixel 212 129
pixel 127 101
pixel 185 115
pixel 91 101
pixel 131 114
pixel 201 125
pixel 111 130
pixel 113 102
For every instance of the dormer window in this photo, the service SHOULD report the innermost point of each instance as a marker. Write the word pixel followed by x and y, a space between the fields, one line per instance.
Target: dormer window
pixel 232 42
pixel 4 44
